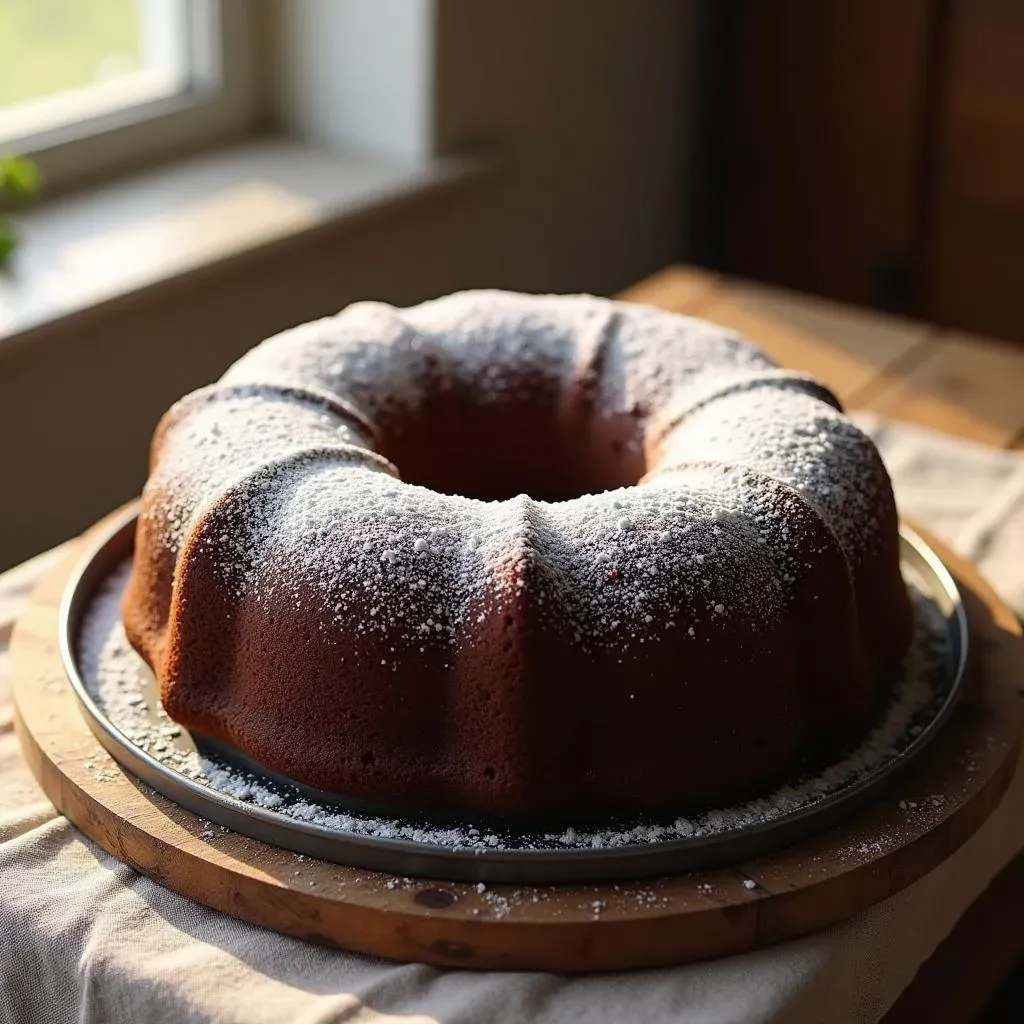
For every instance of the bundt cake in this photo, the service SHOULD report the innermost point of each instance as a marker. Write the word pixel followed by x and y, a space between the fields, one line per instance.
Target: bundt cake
pixel 517 555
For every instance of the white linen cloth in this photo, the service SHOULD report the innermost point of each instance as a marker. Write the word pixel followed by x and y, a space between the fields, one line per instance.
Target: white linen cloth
pixel 83 938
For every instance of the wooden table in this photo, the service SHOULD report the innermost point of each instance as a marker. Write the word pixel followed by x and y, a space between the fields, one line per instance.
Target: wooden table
pixel 958 383
pixel 969 386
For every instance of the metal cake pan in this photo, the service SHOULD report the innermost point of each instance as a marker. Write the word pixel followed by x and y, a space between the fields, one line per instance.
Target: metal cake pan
pixel 406 857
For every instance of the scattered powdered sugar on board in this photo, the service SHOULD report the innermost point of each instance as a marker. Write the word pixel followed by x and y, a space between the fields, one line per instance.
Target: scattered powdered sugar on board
pixel 122 687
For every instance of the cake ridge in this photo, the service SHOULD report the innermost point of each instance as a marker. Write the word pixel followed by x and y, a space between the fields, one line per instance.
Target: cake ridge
pixel 779 378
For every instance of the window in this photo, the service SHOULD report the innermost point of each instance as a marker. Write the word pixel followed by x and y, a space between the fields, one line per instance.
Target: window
pixel 62 61
pixel 88 86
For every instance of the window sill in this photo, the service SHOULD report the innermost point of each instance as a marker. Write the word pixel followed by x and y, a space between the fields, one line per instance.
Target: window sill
pixel 112 243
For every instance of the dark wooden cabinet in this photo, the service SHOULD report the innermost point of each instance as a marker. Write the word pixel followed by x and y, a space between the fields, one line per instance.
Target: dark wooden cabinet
pixel 875 154
pixel 973 256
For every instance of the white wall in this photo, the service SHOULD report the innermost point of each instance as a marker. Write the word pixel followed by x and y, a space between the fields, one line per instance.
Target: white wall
pixel 357 74
pixel 590 101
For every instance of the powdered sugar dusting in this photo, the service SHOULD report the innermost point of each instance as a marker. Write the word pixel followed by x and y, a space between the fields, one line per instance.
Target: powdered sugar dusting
pixel 122 687
pixel 799 440
pixel 274 472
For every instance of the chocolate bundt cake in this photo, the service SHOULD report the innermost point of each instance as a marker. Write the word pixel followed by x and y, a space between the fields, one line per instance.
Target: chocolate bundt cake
pixel 519 555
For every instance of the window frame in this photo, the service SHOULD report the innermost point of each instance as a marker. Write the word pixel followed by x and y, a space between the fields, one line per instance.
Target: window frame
pixel 223 99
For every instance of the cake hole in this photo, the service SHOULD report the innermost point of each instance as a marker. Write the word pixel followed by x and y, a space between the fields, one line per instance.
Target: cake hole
pixel 562 446
pixel 489 772
pixel 368 759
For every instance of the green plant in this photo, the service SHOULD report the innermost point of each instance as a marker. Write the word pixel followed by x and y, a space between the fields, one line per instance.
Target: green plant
pixel 19 177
